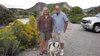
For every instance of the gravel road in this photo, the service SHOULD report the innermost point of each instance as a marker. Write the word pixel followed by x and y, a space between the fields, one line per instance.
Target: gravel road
pixel 79 42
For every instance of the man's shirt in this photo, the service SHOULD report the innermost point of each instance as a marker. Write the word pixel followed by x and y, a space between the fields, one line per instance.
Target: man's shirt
pixel 59 22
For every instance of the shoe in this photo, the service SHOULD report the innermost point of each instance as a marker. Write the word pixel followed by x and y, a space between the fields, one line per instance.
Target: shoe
pixel 45 52
pixel 61 52
pixel 41 53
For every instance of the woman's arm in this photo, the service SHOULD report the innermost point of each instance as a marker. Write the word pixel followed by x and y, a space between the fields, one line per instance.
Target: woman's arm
pixel 39 22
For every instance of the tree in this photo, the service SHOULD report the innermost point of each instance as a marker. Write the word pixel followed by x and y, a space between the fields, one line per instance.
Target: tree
pixel 17 37
pixel 76 14
pixel 33 23
pixel 35 13
pixel 6 16
pixel 76 10
pixel 51 8
pixel 65 10
pixel 9 45
pixel 25 33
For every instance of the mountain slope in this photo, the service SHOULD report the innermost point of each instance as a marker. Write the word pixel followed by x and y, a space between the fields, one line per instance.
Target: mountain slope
pixel 37 7
pixel 88 9
pixel 40 5
pixel 5 15
pixel 95 10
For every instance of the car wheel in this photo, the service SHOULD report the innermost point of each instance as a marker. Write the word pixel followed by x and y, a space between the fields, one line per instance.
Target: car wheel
pixel 96 28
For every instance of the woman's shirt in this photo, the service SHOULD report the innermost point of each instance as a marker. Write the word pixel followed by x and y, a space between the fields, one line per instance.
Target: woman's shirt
pixel 45 24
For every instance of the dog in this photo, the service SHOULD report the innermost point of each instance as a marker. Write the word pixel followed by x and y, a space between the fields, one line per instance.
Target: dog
pixel 54 48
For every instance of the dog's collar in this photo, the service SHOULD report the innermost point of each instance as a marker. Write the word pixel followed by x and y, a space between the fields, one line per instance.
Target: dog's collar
pixel 54 44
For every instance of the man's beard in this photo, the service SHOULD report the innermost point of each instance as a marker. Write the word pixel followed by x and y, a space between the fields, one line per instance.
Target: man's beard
pixel 57 13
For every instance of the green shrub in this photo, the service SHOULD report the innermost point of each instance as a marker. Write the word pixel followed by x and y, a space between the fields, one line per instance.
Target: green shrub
pixel 18 36
pixel 33 23
pixel 76 14
pixel 76 18
pixel 35 13
pixel 65 10
pixel 9 45
pixel 6 17
pixel 25 33
pixel 51 8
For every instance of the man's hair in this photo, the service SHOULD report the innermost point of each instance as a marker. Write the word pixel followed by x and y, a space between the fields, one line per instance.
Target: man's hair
pixel 57 6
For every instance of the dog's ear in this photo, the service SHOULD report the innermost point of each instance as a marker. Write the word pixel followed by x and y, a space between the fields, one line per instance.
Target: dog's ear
pixel 54 44
pixel 49 46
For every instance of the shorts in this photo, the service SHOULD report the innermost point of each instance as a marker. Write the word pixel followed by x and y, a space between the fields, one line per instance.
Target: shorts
pixel 59 37
pixel 45 35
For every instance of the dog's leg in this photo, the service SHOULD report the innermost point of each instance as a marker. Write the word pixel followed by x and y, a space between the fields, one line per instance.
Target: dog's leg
pixel 54 54
pixel 50 54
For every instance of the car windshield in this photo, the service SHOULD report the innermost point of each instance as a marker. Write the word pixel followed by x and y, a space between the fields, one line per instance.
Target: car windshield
pixel 98 15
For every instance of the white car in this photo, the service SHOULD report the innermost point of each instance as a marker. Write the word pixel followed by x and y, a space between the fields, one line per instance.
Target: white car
pixel 91 23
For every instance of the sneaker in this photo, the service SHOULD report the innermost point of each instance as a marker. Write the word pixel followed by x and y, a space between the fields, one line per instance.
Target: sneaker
pixel 61 52
pixel 41 53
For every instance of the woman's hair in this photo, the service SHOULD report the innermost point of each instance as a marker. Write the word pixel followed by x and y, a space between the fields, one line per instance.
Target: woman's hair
pixel 44 8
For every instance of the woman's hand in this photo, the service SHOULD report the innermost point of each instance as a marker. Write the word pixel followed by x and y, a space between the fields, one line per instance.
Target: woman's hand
pixel 52 34
pixel 39 32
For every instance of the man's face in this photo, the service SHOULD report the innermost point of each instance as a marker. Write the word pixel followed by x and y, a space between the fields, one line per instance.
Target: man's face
pixel 57 9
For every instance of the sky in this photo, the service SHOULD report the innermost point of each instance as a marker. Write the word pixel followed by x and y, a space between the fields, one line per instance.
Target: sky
pixel 25 4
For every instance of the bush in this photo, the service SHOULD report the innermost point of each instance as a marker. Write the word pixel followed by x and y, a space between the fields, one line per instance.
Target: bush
pixel 76 18
pixel 51 8
pixel 33 23
pixel 65 10
pixel 9 45
pixel 76 14
pixel 35 13
pixel 6 17
pixel 25 33
pixel 18 36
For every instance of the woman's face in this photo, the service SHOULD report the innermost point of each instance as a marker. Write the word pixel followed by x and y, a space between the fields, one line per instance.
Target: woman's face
pixel 45 12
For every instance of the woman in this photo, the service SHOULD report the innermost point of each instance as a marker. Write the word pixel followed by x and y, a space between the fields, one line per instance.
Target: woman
pixel 45 30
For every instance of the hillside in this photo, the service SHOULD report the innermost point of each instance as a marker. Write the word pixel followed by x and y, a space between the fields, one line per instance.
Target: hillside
pixel 92 10
pixel 88 9
pixel 3 8
pixel 40 5
pixel 62 4
pixel 96 10
pixel 5 15
pixel 37 7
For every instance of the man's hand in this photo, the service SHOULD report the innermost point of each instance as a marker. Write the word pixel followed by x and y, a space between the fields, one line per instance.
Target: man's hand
pixel 64 30
pixel 65 26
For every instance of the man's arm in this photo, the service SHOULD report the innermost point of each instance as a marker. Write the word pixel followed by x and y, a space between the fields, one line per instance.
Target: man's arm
pixel 66 22
pixel 65 26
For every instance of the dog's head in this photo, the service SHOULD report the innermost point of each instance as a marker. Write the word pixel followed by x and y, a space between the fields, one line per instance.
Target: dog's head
pixel 56 44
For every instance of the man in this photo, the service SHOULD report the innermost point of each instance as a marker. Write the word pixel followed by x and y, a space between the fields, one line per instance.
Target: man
pixel 60 22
